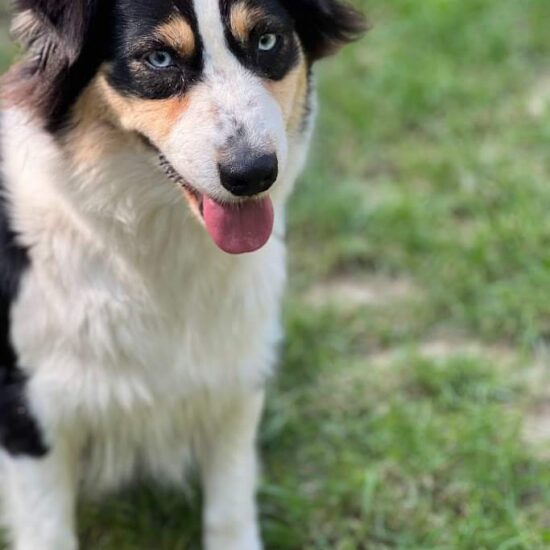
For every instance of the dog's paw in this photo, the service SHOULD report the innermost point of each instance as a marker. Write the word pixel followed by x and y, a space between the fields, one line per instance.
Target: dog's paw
pixel 233 539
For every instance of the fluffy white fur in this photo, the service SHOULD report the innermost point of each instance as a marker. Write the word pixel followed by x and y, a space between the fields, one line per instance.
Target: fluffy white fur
pixel 149 347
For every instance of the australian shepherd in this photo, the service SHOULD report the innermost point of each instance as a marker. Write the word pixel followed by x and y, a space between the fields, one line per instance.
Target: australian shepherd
pixel 148 148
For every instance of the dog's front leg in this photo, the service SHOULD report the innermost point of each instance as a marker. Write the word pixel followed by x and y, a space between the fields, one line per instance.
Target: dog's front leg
pixel 228 466
pixel 39 500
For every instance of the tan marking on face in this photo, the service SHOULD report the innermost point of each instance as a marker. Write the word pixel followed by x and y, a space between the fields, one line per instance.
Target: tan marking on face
pixel 93 133
pixel 291 95
pixel 243 19
pixel 177 34
pixel 99 124
pixel 154 118
pixel 103 121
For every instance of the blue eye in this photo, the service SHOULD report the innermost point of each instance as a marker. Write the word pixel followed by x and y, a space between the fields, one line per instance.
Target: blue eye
pixel 268 42
pixel 160 59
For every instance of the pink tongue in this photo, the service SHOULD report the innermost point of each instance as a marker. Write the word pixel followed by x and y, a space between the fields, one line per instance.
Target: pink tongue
pixel 239 228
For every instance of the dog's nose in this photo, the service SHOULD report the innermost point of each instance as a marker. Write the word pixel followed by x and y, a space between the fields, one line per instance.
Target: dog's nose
pixel 250 174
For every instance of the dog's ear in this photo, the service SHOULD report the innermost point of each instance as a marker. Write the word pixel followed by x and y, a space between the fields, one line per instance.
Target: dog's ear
pixel 63 45
pixel 51 28
pixel 324 26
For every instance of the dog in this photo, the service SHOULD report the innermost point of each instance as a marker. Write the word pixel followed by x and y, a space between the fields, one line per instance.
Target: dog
pixel 148 149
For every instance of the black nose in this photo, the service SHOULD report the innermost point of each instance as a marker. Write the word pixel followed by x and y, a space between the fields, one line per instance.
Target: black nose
pixel 250 174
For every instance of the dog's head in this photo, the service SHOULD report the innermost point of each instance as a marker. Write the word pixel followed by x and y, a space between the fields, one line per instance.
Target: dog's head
pixel 219 88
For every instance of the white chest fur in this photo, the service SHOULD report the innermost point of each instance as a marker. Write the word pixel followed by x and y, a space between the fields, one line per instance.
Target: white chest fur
pixel 132 324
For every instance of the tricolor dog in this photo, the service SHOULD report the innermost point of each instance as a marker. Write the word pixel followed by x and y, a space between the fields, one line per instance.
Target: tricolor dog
pixel 148 148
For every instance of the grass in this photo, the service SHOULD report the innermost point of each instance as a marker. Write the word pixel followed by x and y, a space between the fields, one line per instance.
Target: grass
pixel 403 418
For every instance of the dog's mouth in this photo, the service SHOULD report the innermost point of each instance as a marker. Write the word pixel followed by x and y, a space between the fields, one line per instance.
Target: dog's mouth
pixel 237 227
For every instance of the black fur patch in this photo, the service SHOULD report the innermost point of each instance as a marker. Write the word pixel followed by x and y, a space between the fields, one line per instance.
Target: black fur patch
pixel 273 65
pixel 324 26
pixel 19 432
pixel 136 21
pixel 68 40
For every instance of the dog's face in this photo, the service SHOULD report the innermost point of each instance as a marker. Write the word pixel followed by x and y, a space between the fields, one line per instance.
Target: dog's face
pixel 216 88
pixel 219 88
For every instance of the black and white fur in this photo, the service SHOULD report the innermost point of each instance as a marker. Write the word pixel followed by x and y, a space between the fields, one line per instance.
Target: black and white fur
pixel 129 343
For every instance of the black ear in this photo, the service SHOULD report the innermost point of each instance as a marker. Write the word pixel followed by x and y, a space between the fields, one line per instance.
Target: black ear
pixel 324 26
pixel 63 48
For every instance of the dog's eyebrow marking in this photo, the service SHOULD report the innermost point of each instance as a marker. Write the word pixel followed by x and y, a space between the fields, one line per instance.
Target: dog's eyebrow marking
pixel 243 18
pixel 178 34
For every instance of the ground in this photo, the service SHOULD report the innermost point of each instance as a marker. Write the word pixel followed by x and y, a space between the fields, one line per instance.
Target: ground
pixel 412 409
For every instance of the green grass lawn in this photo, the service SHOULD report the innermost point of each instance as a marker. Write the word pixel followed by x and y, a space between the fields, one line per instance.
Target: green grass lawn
pixel 412 408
